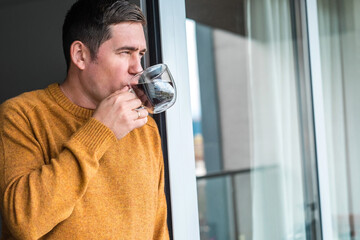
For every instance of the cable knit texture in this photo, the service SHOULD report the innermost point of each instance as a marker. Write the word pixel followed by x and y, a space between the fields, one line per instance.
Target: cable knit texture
pixel 64 175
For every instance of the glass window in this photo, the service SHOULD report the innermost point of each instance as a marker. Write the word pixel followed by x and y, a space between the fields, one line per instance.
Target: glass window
pixel 253 136
pixel 339 32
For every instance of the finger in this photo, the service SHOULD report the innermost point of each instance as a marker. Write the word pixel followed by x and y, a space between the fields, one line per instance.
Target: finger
pixel 125 89
pixel 117 92
pixel 136 114
pixel 142 113
pixel 120 96
pixel 139 122
pixel 134 104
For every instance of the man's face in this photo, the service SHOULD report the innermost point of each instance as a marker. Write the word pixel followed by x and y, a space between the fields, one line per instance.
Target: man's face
pixel 118 60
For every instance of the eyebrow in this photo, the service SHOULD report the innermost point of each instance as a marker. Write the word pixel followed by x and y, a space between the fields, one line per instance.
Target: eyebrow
pixel 130 49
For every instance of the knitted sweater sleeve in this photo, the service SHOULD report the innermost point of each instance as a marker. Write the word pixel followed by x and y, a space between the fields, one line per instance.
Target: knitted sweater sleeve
pixel 35 196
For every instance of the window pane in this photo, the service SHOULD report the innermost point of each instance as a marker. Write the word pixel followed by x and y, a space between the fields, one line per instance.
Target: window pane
pixel 252 124
pixel 339 26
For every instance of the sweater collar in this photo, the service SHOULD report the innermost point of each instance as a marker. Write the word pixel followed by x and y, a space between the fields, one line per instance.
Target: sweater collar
pixel 64 102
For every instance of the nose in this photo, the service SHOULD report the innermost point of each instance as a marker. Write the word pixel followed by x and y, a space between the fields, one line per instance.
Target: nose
pixel 135 65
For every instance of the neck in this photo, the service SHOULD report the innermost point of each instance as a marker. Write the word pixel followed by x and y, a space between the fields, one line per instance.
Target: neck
pixel 76 93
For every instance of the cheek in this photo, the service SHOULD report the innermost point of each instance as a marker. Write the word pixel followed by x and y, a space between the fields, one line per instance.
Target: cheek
pixel 112 73
pixel 95 71
pixel 122 75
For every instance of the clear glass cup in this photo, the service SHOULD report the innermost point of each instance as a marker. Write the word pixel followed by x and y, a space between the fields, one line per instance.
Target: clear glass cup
pixel 155 87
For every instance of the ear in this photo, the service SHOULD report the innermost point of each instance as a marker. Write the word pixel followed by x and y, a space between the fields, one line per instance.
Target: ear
pixel 79 53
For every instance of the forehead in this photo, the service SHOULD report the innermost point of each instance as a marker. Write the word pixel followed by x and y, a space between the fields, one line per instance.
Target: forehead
pixel 128 33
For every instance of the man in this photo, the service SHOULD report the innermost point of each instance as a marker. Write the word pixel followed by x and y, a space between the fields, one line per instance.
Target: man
pixel 80 160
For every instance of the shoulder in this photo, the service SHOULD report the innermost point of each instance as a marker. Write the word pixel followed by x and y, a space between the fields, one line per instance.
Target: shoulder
pixel 21 105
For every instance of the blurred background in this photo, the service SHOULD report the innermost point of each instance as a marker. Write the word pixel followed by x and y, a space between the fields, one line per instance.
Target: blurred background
pixel 252 109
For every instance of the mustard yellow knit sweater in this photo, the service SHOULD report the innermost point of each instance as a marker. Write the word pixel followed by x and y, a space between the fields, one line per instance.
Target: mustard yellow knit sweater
pixel 64 175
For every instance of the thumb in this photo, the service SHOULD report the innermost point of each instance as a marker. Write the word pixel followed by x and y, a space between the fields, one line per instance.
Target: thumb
pixel 124 89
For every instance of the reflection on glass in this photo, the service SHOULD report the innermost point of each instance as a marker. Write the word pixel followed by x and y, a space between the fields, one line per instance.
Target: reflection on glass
pixel 195 98
pixel 248 132
pixel 339 27
pixel 216 192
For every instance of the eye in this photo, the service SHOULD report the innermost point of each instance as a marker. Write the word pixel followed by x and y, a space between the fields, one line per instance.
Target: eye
pixel 142 54
pixel 123 52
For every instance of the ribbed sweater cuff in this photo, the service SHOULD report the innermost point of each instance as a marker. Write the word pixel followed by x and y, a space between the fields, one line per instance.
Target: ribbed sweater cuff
pixel 95 136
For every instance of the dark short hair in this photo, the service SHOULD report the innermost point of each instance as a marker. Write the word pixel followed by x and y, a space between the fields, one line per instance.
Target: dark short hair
pixel 89 21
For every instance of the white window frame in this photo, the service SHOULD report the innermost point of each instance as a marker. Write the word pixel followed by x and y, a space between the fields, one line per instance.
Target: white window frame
pixel 184 202
pixel 319 118
pixel 181 158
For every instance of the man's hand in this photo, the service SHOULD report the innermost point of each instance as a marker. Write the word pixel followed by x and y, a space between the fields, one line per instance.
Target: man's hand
pixel 119 112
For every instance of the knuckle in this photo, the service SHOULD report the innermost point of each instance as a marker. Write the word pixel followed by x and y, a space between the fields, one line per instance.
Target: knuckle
pixel 117 99
pixel 121 108
pixel 129 119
